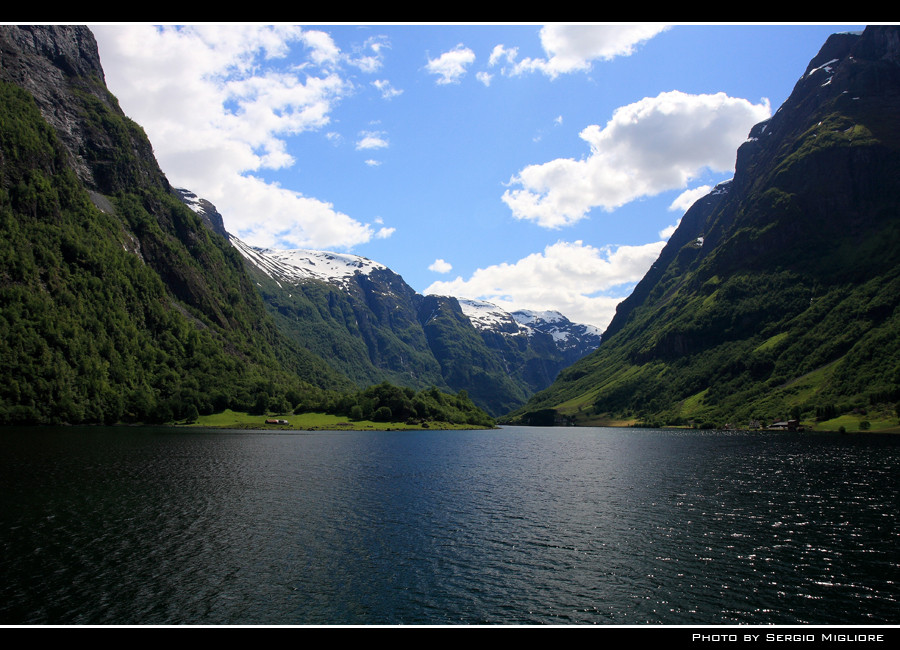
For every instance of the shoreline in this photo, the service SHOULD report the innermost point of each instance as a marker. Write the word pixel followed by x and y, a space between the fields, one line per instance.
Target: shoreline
pixel 313 422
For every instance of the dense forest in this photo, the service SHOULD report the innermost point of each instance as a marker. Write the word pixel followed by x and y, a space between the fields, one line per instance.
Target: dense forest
pixel 386 402
pixel 118 305
pixel 88 330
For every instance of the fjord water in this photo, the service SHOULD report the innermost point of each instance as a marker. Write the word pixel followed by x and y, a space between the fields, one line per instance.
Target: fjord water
pixel 511 526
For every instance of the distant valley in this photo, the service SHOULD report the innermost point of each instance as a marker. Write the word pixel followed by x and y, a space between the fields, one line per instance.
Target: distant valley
pixel 374 327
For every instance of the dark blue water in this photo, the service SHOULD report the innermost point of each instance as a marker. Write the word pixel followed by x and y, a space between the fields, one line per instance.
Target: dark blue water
pixel 516 526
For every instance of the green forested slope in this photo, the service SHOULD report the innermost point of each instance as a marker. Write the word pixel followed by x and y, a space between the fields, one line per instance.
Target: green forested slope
pixel 779 297
pixel 117 302
pixel 367 328
pixel 136 313
pixel 466 361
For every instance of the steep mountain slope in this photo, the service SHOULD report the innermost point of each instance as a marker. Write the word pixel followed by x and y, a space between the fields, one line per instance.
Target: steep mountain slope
pixel 505 357
pixel 355 312
pixel 374 327
pixel 778 294
pixel 467 363
pixel 116 301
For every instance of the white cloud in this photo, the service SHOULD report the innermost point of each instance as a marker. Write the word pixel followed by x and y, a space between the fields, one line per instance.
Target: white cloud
pixel 218 102
pixel 501 53
pixel 653 145
pixel 384 232
pixel 581 281
pixel 290 219
pixel 386 89
pixel 371 140
pixel 484 77
pixel 573 48
pixel 667 232
pixel 687 198
pixel 323 49
pixel 440 266
pixel 370 63
pixel 451 66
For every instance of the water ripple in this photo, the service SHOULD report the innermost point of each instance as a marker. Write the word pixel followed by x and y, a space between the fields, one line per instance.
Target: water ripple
pixel 517 526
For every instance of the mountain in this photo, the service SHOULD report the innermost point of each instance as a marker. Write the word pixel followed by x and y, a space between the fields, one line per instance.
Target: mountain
pixel 123 298
pixel 357 313
pixel 117 302
pixel 537 345
pixel 493 354
pixel 777 296
pixel 372 326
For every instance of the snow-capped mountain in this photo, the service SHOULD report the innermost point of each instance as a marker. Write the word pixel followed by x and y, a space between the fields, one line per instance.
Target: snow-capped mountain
pixel 488 316
pixel 296 266
pixel 372 326
pixel 566 334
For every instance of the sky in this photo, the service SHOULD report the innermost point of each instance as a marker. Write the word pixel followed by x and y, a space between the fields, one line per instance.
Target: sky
pixel 533 166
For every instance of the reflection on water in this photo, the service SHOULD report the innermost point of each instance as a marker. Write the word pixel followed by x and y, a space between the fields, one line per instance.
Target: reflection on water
pixel 516 526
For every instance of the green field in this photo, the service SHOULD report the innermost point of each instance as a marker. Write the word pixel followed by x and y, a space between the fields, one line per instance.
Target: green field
pixel 878 423
pixel 229 419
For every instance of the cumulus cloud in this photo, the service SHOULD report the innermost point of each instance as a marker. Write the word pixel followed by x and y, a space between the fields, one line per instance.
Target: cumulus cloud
pixel 440 266
pixel 371 140
pixel 574 48
pixel 290 219
pixel 322 47
pixel 581 281
pixel 451 66
pixel 651 146
pixel 687 198
pixel 218 103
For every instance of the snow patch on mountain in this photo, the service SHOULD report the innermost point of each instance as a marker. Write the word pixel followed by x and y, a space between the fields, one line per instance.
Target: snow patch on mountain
pixel 725 186
pixel 548 322
pixel 530 317
pixel 296 266
pixel 191 200
pixel 557 326
pixel 488 316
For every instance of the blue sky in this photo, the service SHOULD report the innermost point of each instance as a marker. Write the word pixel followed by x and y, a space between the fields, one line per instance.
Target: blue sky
pixel 534 166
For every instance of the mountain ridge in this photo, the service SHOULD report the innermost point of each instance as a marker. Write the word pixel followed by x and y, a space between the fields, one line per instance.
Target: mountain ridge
pixel 376 327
